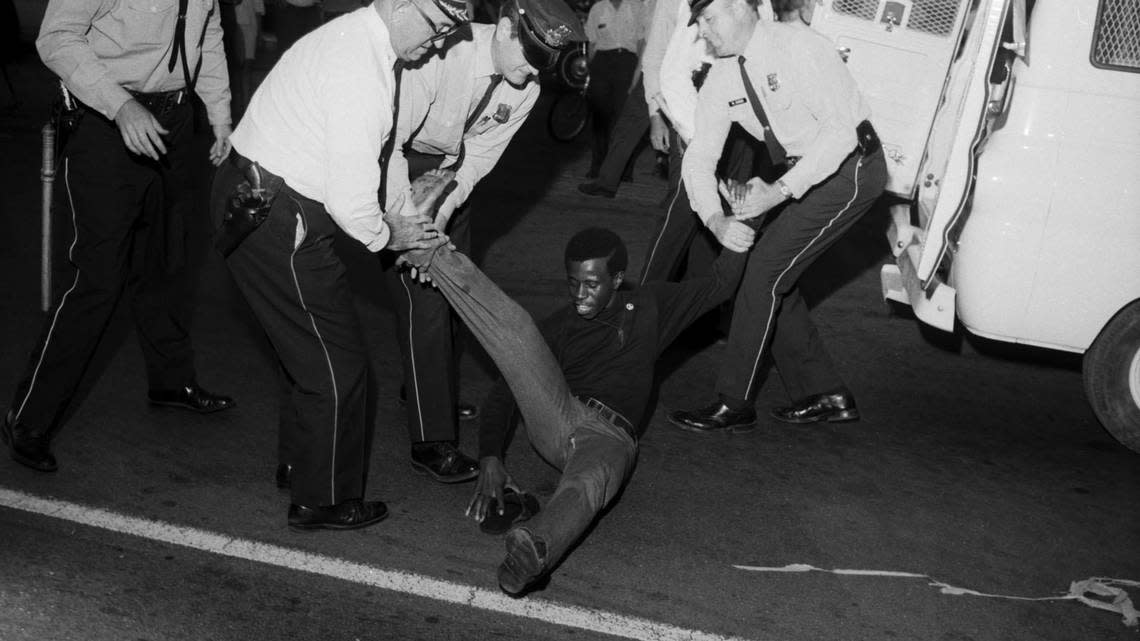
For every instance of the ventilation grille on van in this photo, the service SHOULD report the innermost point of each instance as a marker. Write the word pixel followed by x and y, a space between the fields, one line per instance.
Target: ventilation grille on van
pixel 935 17
pixel 1117 41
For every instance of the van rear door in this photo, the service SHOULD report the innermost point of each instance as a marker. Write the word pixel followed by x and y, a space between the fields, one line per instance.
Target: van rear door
pixel 925 67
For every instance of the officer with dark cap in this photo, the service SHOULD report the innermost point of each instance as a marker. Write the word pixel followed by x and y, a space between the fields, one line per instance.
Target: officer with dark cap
pixel 459 114
pixel 305 163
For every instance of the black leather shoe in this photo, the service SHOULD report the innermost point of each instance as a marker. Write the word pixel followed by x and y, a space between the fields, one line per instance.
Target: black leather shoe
pixel 443 461
pixel 834 407
pixel 284 472
pixel 464 411
pixel 27 449
pixel 525 564
pixel 717 417
pixel 347 515
pixel 191 398
pixel 594 189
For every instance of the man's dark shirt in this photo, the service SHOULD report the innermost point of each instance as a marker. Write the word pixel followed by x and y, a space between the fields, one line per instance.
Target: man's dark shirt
pixel 612 357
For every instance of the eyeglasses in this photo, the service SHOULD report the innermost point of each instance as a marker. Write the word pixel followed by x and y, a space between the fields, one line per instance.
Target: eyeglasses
pixel 440 32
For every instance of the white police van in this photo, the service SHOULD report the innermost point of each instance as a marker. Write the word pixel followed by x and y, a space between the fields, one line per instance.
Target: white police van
pixel 1013 140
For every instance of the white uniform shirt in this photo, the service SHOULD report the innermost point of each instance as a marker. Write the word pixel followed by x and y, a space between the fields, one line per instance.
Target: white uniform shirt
pixel 609 27
pixel 320 119
pixel 438 97
pixel 808 95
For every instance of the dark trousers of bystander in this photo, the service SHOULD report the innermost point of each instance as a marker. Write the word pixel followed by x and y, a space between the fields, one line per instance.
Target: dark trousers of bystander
pixel 626 138
pixel 611 73
pixel 129 218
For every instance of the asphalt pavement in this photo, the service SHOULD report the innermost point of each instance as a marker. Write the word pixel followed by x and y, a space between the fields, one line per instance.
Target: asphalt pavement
pixel 976 465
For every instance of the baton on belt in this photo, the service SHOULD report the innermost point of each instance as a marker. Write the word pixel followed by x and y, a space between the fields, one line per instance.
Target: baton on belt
pixel 47 177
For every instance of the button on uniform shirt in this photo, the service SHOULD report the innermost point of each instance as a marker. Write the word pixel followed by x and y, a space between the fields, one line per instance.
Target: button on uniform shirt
pixel 808 95
pixel 321 116
pixel 609 27
pixel 100 49
pixel 437 99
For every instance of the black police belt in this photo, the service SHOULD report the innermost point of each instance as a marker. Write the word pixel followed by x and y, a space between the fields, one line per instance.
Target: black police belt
pixel 611 416
pixel 161 102
pixel 866 143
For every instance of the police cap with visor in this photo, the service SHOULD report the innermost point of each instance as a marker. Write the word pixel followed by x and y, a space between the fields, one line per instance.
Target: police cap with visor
pixel 546 28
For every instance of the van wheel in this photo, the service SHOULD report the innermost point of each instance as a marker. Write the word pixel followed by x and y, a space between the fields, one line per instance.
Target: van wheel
pixel 1112 376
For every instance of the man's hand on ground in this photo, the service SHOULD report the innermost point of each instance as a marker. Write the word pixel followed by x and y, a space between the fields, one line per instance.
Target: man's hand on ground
pixel 141 131
pixel 489 485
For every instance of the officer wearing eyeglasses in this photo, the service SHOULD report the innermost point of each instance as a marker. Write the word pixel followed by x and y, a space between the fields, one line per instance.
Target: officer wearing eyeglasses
pixel 311 137
pixel 460 111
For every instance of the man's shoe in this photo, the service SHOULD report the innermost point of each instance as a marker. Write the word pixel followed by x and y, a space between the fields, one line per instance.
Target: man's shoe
pixel 525 564
pixel 464 411
pixel 594 189
pixel 834 408
pixel 443 461
pixel 26 449
pixel 191 398
pixel 284 476
pixel 717 417
pixel 347 515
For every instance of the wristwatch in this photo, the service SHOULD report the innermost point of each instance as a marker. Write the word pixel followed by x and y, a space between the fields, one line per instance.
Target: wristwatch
pixel 783 187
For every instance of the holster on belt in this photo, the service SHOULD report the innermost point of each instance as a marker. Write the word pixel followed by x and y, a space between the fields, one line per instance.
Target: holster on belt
pixel 867 139
pixel 248 204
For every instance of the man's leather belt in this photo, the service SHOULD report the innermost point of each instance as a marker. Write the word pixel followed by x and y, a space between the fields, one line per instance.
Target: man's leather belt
pixel 610 415
pixel 161 102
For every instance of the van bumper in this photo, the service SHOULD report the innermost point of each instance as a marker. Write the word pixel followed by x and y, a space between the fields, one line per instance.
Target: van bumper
pixel 932 302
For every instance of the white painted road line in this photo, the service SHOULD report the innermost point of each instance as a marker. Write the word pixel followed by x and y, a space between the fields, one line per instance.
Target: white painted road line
pixel 611 623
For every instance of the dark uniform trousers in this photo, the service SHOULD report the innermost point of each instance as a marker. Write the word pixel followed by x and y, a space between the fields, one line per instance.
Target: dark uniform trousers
pixel 427 333
pixel 128 216
pixel 611 72
pixel 297 288
pixel 769 309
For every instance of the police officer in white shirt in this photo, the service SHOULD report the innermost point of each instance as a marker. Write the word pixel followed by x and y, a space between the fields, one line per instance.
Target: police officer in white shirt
pixel 786 85
pixel 460 111
pixel 675 61
pixel 308 146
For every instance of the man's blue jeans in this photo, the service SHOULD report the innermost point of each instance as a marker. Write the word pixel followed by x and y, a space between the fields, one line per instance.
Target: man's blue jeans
pixel 595 456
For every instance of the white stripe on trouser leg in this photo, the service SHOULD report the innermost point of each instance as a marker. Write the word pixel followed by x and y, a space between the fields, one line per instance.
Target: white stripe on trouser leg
pixel 63 299
pixel 776 285
pixel 664 226
pixel 415 391
pixel 300 237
